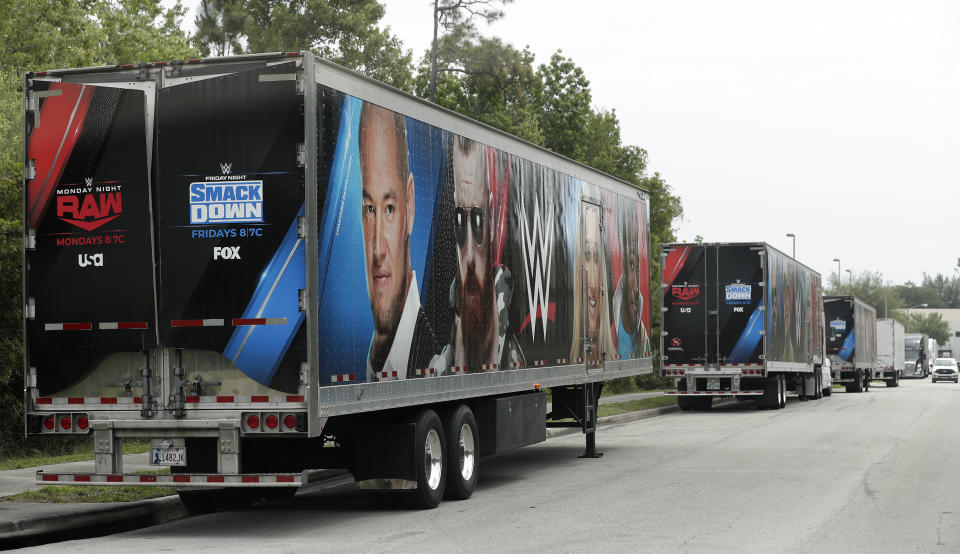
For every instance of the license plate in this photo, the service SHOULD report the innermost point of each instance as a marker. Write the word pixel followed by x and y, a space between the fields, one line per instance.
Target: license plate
pixel 713 384
pixel 171 456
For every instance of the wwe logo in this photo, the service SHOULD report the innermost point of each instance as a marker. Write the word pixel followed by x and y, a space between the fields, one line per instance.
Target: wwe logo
pixel 88 181
pixel 226 167
pixel 537 242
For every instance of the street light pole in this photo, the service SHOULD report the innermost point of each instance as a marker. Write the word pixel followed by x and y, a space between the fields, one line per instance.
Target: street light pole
pixel 794 237
pixel 838 269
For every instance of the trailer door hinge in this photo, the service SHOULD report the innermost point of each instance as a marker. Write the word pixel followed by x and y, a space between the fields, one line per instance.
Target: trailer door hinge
pixel 302 299
pixel 301 227
pixel 304 373
pixel 301 155
pixel 30 240
pixel 30 310
pixel 30 171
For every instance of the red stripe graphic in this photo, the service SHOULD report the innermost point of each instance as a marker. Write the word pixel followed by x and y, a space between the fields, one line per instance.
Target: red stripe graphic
pixel 52 142
pixel 674 263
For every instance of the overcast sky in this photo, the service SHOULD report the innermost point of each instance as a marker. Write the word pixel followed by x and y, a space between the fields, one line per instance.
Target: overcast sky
pixel 838 121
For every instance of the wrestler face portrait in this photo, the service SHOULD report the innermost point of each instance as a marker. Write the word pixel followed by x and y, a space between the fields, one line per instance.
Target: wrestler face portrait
pixel 387 213
pixel 473 226
pixel 592 250
pixel 630 307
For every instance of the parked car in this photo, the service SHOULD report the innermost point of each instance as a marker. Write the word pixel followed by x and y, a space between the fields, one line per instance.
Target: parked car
pixel 945 369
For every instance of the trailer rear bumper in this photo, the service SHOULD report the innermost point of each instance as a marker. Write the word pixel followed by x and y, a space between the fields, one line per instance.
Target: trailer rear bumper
pixel 177 480
pixel 715 393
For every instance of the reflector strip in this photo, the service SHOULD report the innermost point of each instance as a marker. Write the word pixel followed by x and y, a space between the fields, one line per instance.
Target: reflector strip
pixel 193 399
pixel 196 323
pixel 259 399
pixel 126 402
pixel 561 360
pixel 295 398
pixel 225 399
pixel 429 371
pixel 341 378
pixel 388 375
pixel 167 479
pixel 489 367
pixel 122 325
pixel 68 326
pixel 108 400
pixel 44 401
pixel 458 369
pixel 538 363
pixel 515 365
pixel 260 321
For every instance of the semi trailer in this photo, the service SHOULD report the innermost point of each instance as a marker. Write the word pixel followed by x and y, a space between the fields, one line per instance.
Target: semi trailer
pixel 268 264
pixel 740 320
pixel 851 341
pixel 916 355
pixel 890 352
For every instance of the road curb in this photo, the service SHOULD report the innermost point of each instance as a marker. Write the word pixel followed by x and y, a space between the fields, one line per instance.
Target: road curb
pixel 90 520
pixel 614 420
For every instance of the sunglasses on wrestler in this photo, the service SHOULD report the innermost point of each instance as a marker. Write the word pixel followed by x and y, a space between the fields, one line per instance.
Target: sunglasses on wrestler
pixel 468 216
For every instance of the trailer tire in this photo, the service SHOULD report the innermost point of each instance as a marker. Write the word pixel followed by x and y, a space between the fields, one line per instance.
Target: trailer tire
pixel 685 403
pixel 781 392
pixel 828 391
pixel 463 449
pixel 429 460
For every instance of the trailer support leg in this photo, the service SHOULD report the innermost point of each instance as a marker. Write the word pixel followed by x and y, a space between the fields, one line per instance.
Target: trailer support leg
pixel 108 450
pixel 591 393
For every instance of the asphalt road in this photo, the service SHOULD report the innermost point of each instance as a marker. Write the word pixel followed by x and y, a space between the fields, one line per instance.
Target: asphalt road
pixel 851 473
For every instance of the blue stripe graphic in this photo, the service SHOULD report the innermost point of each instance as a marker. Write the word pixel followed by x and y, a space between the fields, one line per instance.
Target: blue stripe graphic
pixel 749 338
pixel 257 350
pixel 846 351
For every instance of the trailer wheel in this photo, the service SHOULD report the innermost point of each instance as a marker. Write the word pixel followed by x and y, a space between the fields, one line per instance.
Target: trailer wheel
pixel 895 382
pixel 685 403
pixel 866 381
pixel 782 391
pixel 463 462
pixel 429 454
pixel 828 391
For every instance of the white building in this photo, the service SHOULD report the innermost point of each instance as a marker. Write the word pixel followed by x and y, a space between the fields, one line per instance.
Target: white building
pixel 952 317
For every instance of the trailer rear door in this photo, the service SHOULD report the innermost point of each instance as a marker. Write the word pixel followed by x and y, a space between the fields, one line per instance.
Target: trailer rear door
pixel 231 202
pixel 740 305
pixel 89 276
pixel 684 320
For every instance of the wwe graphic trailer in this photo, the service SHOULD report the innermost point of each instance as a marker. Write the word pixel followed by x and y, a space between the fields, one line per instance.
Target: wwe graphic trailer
pixel 286 266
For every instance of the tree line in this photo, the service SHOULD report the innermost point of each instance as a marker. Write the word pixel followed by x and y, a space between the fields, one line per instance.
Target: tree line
pixel 896 301
pixel 479 76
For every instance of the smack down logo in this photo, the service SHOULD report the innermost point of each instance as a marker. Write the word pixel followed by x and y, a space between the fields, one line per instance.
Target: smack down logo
pixel 231 202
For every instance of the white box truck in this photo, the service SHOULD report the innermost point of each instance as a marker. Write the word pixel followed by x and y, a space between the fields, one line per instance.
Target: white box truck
pixel 890 352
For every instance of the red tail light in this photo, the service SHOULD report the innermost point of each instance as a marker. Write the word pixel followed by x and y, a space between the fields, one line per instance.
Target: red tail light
pixel 289 421
pixel 83 423
pixel 49 423
pixel 66 423
pixel 272 421
pixel 253 421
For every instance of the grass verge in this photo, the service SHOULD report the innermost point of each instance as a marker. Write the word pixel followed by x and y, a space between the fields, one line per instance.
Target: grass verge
pixel 36 459
pixel 73 494
pixel 636 405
